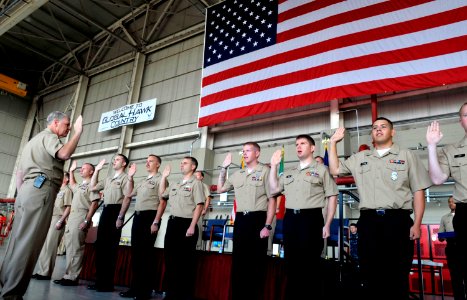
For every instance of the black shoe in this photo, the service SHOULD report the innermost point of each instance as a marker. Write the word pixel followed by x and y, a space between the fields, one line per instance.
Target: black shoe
pixel 59 281
pixel 34 276
pixel 69 282
pixel 127 294
pixel 92 287
pixel 42 277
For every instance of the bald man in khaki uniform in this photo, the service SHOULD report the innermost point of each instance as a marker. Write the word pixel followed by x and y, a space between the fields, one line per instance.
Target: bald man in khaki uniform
pixel 84 205
pixel 186 198
pixel 451 161
pixel 46 262
pixel 149 209
pixel 256 209
pixel 38 179
pixel 391 183
pixel 307 187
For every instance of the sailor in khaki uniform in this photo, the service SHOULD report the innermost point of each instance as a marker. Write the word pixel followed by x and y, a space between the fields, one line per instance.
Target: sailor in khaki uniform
pixel 186 199
pixel 116 190
pixel 451 161
pixel 149 209
pixel 307 187
pixel 255 212
pixel 46 262
pixel 38 178
pixel 452 252
pixel 391 183
pixel 207 194
pixel 84 205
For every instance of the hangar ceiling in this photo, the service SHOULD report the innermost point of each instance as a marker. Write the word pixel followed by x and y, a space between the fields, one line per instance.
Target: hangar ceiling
pixel 43 42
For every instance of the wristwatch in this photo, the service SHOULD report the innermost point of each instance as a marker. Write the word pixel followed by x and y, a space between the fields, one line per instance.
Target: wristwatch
pixel 268 226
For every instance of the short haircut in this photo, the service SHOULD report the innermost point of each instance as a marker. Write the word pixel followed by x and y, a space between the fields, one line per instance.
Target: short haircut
pixel 254 145
pixel 58 115
pixel 156 157
pixel 91 165
pixel 306 137
pixel 127 161
pixel 460 109
pixel 353 224
pixel 384 119
pixel 201 172
pixel 193 161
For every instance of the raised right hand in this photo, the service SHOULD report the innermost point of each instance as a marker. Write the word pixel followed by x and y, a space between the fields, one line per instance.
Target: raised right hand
pixel 100 165
pixel 338 135
pixel 433 133
pixel 276 158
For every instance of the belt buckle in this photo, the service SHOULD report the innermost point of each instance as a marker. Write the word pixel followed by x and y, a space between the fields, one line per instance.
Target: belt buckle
pixel 246 212
pixel 171 217
pixel 137 212
pixel 296 211
pixel 380 212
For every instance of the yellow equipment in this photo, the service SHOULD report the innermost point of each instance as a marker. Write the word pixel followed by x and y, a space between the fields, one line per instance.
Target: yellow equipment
pixel 12 85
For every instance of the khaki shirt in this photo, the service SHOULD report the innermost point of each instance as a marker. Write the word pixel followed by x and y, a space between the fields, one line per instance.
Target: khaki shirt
pixel 453 161
pixel 386 182
pixel 114 188
pixel 64 197
pixel 307 188
pixel 38 157
pixel 251 190
pixel 82 197
pixel 446 223
pixel 184 197
pixel 147 193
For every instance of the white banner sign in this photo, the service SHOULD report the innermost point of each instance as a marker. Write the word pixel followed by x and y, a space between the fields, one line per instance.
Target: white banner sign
pixel 128 114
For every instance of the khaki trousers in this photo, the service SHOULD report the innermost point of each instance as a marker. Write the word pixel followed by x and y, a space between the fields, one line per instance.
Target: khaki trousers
pixel 74 244
pixel 46 262
pixel 33 212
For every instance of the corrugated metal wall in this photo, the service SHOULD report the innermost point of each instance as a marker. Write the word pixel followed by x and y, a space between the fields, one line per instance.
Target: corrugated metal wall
pixel 13 115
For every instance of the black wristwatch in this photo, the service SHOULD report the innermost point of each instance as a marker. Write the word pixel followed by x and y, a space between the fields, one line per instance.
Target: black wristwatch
pixel 268 227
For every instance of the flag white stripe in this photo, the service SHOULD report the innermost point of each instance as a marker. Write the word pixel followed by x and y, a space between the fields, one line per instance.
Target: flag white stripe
pixel 336 31
pixel 323 13
pixel 288 5
pixel 432 64
pixel 389 44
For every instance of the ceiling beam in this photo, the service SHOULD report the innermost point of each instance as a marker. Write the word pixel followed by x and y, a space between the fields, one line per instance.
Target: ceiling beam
pixel 18 12
pixel 22 44
pixel 82 16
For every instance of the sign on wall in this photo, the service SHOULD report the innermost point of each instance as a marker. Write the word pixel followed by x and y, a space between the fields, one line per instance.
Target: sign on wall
pixel 128 115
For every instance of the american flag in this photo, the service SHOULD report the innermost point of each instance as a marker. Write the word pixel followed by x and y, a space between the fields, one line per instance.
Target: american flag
pixel 262 56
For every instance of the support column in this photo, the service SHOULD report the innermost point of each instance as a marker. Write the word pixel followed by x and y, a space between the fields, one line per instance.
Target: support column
pixel 77 106
pixel 133 96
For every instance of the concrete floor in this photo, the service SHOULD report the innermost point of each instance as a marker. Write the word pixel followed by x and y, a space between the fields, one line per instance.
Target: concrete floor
pixel 47 290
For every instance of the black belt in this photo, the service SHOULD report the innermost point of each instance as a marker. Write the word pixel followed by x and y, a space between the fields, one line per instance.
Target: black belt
pixel 249 212
pixel 178 218
pixel 301 210
pixel 385 212
pixel 111 205
pixel 139 212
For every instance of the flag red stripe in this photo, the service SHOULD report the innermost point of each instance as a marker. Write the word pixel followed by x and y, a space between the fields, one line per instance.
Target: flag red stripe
pixel 428 22
pixel 392 84
pixel 389 57
pixel 305 8
pixel 349 16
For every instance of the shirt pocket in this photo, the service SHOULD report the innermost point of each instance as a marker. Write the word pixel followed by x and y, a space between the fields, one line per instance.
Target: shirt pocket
pixel 458 169
pixel 397 174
